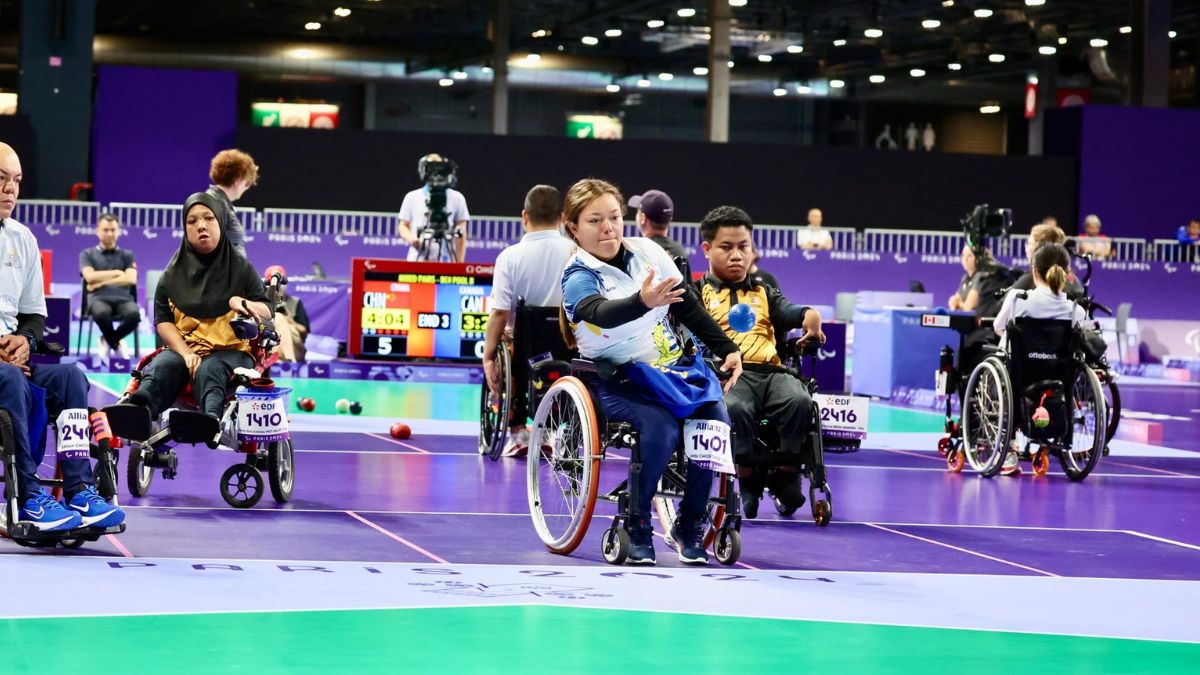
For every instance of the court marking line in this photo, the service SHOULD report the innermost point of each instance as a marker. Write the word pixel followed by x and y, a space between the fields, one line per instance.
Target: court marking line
pixel 1163 540
pixel 938 458
pixel 397 442
pixel 1150 468
pixel 120 546
pixel 396 537
pixel 960 549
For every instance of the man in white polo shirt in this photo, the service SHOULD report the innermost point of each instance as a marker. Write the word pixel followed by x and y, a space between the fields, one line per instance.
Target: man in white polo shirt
pixel 530 269
pixel 63 388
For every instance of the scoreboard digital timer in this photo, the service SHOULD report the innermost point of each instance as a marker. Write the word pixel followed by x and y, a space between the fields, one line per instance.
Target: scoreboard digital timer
pixel 418 310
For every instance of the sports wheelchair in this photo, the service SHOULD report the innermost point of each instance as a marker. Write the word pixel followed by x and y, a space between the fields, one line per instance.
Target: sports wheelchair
pixel 535 356
pixel 103 448
pixel 569 440
pixel 265 443
pixel 1042 386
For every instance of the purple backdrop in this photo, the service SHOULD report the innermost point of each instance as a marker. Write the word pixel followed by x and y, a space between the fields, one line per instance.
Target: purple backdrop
pixel 154 131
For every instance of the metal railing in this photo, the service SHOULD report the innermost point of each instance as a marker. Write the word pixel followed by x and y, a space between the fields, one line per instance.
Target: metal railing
pixel 56 212
pixel 1170 250
pixel 498 231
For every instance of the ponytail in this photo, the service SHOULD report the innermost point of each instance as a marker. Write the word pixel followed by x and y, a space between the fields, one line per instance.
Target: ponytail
pixel 1056 278
pixel 564 327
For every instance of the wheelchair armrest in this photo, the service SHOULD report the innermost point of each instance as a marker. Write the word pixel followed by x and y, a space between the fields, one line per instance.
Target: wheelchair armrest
pixel 990 349
pixel 583 366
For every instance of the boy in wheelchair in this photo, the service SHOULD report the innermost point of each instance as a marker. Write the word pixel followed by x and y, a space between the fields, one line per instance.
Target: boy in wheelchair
pixel 204 288
pixel 1047 300
pixel 754 315
pixel 528 272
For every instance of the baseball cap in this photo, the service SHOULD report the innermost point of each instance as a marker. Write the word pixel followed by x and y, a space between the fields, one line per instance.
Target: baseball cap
pixel 656 204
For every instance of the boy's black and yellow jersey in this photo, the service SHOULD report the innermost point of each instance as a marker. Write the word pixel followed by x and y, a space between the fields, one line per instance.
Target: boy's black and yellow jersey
pixel 773 315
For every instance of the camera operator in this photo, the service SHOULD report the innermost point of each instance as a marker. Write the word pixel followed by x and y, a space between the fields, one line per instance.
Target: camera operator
pixel 433 218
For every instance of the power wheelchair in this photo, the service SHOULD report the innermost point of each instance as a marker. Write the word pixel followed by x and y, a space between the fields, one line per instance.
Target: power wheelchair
pixel 261 435
pixel 569 440
pixel 528 362
pixel 1041 385
pixel 102 448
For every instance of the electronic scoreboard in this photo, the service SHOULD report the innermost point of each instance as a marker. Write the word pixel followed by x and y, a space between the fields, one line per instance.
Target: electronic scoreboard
pixel 418 310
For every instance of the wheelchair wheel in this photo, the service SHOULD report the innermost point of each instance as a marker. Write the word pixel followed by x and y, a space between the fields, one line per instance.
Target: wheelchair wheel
pixel 955 461
pixel 616 545
pixel 1113 403
pixel 71 543
pixel 987 417
pixel 1041 462
pixel 668 511
pixel 105 478
pixel 241 486
pixel 281 469
pixel 493 426
pixel 138 475
pixel 728 546
pixel 563 465
pixel 1088 426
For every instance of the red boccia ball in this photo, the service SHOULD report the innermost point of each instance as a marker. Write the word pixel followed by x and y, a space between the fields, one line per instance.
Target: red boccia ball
pixel 308 405
pixel 401 430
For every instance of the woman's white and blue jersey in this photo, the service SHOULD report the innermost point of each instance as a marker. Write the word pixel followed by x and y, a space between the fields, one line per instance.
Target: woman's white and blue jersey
pixel 648 338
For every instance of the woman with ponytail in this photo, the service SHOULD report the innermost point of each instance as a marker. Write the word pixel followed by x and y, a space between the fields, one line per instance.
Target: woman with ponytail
pixel 1051 272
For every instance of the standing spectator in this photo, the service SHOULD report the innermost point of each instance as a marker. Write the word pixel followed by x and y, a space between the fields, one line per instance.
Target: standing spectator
pixel 813 237
pixel 655 210
pixel 232 173
pixel 1091 241
pixel 1189 239
pixel 439 175
pixel 110 274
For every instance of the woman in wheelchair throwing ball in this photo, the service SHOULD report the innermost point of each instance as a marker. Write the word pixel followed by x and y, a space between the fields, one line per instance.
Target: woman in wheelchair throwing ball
pixel 617 296
pixel 206 285
pixel 1048 300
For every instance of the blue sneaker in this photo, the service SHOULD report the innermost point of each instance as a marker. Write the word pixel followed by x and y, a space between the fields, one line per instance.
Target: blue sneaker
pixel 94 511
pixel 641 540
pixel 47 514
pixel 689 541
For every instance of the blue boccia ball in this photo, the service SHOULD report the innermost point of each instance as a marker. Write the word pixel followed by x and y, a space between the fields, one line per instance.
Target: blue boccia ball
pixel 741 317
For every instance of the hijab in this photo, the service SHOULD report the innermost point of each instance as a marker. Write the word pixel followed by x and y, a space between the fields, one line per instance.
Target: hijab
pixel 200 285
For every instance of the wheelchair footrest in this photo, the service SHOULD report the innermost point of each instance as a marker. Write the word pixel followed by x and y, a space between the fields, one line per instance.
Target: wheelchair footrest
pixel 129 421
pixel 188 426
pixel 26 533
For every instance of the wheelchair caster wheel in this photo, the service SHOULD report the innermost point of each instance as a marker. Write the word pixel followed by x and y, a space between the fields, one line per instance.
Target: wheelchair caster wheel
pixel 241 486
pixel 1041 462
pixel 728 546
pixel 615 545
pixel 71 543
pixel 138 474
pixel 955 461
pixel 822 512
pixel 943 446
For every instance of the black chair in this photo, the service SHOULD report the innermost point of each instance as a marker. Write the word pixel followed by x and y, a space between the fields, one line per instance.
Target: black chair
pixel 85 313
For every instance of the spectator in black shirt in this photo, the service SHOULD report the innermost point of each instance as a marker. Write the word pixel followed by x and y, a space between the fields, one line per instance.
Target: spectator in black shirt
pixel 110 274
pixel 655 211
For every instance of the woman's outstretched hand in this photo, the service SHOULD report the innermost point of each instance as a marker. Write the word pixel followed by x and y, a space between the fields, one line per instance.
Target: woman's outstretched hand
pixel 658 294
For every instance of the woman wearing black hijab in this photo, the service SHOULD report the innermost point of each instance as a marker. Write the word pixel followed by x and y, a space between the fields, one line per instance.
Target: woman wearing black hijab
pixel 206 284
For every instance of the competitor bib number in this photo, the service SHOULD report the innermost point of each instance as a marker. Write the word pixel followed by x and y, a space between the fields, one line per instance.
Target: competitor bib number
pixel 706 442
pixel 74 437
pixel 262 420
pixel 843 416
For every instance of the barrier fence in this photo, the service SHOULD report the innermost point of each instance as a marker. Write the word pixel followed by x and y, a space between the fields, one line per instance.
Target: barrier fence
pixel 499 231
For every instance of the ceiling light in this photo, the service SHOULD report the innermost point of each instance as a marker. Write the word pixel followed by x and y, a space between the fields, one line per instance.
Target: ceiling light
pixel 1062 40
pixel 837 84
pixel 1171 34
pixel 700 71
pixel 983 13
pixel 612 88
pixel 873 33
pixel 342 12
pixel 1098 42
pixel 301 53
pixel 764 58
pixel 1034 3
pixel 459 74
pixel 795 49
pixel 1125 30
pixel 930 23
pixel 1047 50
pixel 780 91
pixel 730 63
pixel 954 66
pixel 445 82
pixel 947 3
pixel 655 23
pixel 989 109
pixel 876 79
pixel 686 12
pixel 666 77
pixel 737 3
pixel 541 33
pixel 643 82
pixel 312 25
pixel 803 89
pixel 533 57
pixel 486 70
pixel 612 32
pixel 590 40
pixel 996 58
pixel 917 72
pixel 839 43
